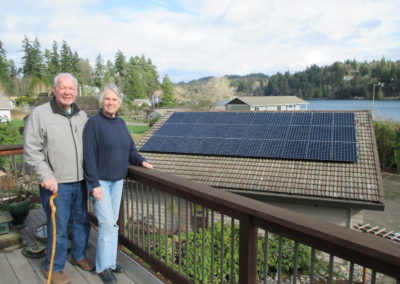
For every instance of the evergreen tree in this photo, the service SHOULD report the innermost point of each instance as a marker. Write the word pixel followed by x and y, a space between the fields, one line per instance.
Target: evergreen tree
pixel 109 73
pixel 167 87
pixel 32 59
pixel 120 64
pixel 68 59
pixel 85 72
pixel 134 87
pixel 52 61
pixel 5 71
pixel 99 70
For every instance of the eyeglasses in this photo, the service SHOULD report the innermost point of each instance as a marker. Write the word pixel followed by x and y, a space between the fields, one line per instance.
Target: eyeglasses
pixel 62 88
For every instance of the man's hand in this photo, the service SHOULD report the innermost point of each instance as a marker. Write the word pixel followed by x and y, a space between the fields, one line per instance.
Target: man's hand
pixel 97 193
pixel 50 184
pixel 147 165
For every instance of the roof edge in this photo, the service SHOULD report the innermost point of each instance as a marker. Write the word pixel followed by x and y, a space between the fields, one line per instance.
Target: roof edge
pixel 268 196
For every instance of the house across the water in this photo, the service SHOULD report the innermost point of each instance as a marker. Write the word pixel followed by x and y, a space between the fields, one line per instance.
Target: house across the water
pixel 266 103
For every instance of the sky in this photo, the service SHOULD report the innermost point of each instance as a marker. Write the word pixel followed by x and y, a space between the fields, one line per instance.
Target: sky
pixel 191 39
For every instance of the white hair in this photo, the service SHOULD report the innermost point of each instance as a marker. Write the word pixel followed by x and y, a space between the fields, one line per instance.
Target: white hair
pixel 113 88
pixel 68 75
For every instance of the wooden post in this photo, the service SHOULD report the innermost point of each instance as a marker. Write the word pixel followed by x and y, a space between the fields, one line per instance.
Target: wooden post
pixel 247 251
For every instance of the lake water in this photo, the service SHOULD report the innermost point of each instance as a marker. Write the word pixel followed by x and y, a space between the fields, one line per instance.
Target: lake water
pixel 383 109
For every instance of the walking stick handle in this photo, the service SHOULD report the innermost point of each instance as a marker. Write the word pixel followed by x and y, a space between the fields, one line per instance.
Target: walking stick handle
pixel 53 247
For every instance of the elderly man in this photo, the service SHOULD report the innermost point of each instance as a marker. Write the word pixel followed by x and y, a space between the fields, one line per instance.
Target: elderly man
pixel 53 148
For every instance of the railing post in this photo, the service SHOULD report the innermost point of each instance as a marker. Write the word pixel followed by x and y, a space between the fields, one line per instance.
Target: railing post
pixel 121 215
pixel 247 251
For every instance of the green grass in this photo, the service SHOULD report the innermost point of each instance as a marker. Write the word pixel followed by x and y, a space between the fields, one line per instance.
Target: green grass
pixel 138 129
pixel 17 122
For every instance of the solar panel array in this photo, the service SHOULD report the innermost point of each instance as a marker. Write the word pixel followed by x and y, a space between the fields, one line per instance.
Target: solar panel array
pixel 321 136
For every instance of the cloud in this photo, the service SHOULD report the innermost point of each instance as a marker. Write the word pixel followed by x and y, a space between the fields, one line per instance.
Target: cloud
pixel 211 37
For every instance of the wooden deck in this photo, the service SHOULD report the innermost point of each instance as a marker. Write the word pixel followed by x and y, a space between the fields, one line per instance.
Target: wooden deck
pixel 16 268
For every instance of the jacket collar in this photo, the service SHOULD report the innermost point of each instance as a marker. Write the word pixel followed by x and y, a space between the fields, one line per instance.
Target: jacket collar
pixel 59 110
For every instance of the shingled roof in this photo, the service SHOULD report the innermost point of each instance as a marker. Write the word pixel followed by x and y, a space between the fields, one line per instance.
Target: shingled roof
pixel 355 185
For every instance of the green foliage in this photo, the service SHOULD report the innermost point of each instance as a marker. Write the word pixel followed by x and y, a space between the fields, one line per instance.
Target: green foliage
pixel 213 246
pixel 168 98
pixel 140 78
pixel 341 80
pixel 5 71
pixel 138 129
pixel 99 71
pixel 32 59
pixel 68 59
pixel 388 142
pixel 52 61
pixel 24 100
pixel 9 133
pixel 154 120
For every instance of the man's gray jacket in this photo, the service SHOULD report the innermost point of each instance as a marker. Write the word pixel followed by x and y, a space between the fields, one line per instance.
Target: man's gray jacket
pixel 53 143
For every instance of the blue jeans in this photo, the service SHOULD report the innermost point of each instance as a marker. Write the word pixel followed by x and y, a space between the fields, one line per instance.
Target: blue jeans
pixel 71 207
pixel 107 212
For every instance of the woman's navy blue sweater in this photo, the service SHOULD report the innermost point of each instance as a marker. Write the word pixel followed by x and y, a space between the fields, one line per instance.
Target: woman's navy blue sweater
pixel 108 149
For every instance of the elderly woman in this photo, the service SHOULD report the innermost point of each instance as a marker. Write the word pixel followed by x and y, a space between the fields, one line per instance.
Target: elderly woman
pixel 108 149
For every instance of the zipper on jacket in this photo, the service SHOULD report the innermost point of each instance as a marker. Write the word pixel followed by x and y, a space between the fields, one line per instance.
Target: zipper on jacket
pixel 76 149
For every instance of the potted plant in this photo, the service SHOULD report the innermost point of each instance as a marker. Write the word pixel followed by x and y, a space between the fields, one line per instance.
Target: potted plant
pixel 16 197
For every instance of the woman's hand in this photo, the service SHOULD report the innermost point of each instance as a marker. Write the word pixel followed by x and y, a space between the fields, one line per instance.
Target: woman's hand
pixel 147 165
pixel 97 193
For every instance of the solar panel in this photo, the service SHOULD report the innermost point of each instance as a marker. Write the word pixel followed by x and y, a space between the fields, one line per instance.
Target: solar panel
pixel 322 136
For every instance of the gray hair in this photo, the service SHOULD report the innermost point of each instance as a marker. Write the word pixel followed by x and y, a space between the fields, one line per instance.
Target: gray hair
pixel 68 75
pixel 113 88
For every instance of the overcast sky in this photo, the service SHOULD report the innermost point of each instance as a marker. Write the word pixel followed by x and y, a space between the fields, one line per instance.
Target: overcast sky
pixel 190 39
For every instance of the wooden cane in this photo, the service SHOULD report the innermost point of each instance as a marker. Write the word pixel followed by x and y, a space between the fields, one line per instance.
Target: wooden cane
pixel 53 246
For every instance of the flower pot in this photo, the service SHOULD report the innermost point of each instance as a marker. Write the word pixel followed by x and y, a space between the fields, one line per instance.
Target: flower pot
pixel 19 210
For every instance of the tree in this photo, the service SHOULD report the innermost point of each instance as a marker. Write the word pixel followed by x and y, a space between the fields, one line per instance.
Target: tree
pixel 134 87
pixel 5 71
pixel 85 72
pixel 32 59
pixel 120 68
pixel 52 61
pixel 109 73
pixel 120 63
pixel 99 71
pixel 68 59
pixel 167 87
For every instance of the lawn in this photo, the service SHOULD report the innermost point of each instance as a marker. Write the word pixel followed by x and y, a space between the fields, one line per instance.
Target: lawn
pixel 137 131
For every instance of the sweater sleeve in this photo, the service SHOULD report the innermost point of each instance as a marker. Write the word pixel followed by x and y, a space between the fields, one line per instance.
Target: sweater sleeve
pixel 89 154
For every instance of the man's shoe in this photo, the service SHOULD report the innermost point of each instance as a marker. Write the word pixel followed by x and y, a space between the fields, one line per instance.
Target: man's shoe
pixel 58 277
pixel 83 263
pixel 107 276
pixel 118 269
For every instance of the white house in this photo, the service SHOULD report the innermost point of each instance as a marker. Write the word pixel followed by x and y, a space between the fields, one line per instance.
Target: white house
pixel 266 103
pixel 5 109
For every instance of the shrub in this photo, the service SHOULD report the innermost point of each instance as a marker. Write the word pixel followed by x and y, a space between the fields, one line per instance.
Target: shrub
pixel 164 248
pixel 9 133
pixel 388 143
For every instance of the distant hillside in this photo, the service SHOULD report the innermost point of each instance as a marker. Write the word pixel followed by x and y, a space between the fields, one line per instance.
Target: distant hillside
pixel 341 80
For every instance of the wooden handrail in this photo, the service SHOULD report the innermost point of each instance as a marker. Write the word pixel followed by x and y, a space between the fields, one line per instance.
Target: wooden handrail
pixel 11 149
pixel 371 251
